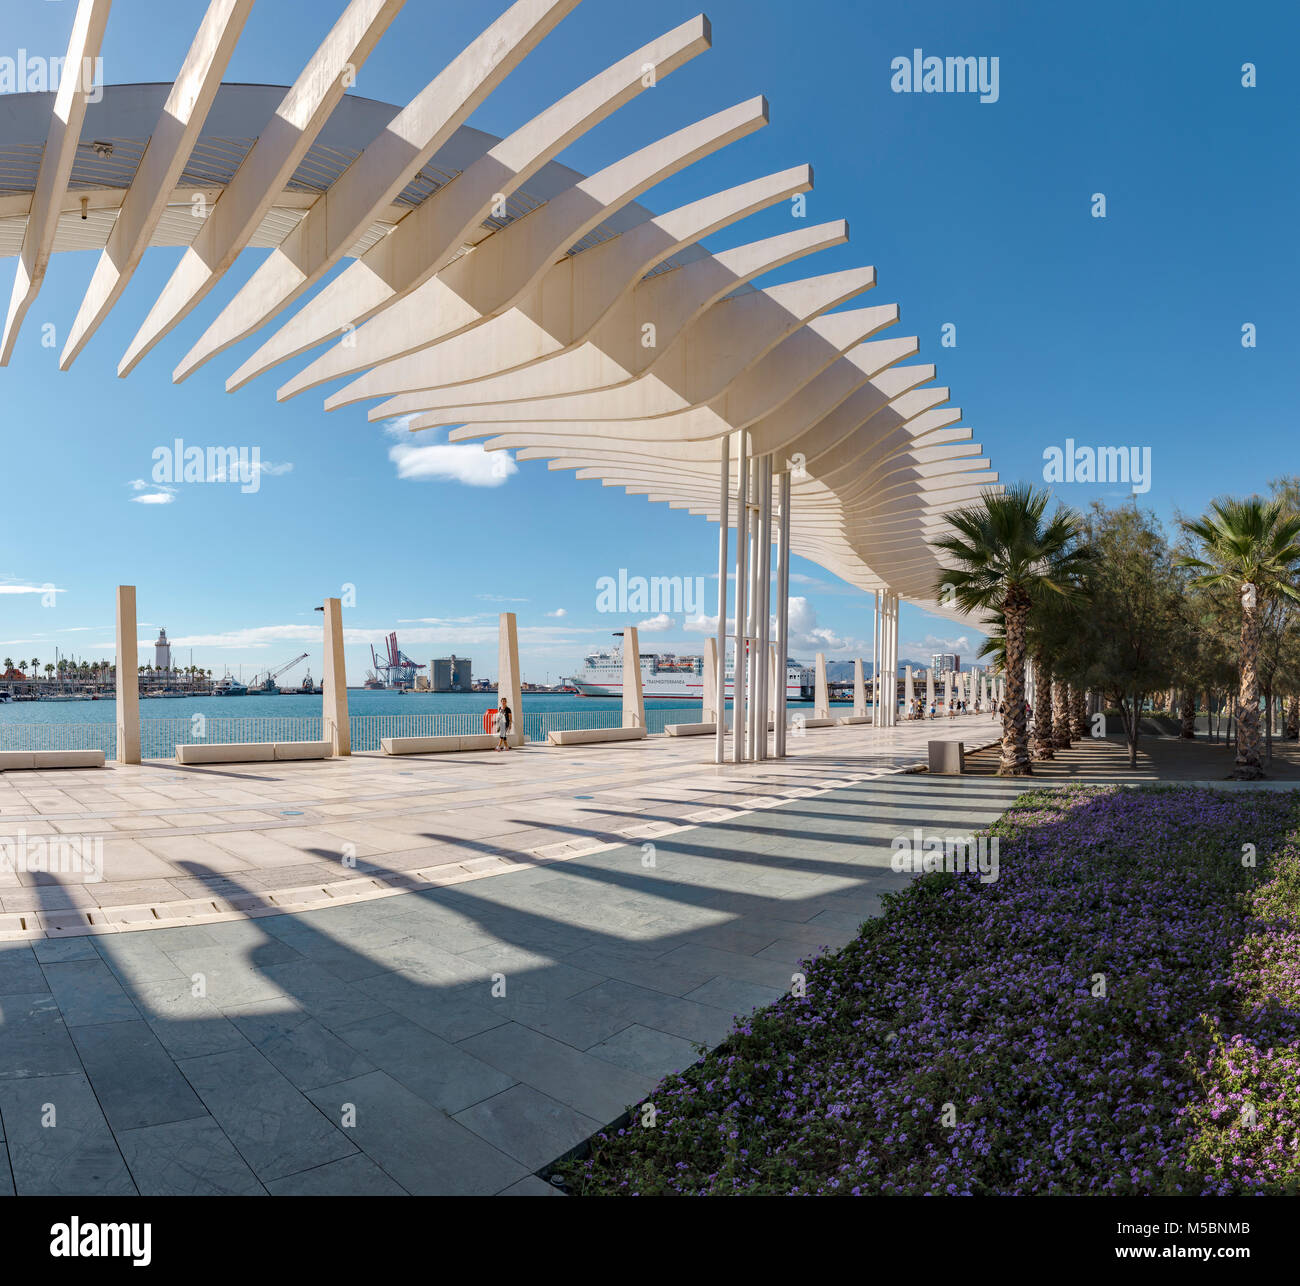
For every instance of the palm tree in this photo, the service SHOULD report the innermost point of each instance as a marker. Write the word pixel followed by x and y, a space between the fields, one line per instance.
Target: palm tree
pixel 1253 547
pixel 1005 557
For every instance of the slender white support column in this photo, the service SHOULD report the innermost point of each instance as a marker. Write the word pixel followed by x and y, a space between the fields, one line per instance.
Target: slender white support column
pixel 763 608
pixel 822 694
pixel 755 657
pixel 509 682
pixel 633 700
pixel 782 612
pixel 947 692
pixel 128 678
pixel 859 690
pixel 709 688
pixel 886 670
pixel 909 690
pixel 742 614
pixel 892 677
pixel 929 689
pixel 335 725
pixel 720 679
pixel 875 662
pixel 771 686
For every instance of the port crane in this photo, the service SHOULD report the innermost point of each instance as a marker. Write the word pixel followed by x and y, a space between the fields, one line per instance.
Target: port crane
pixel 268 684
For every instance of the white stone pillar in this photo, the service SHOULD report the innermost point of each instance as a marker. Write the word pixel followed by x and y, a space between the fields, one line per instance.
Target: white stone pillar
pixel 891 676
pixel 335 725
pixel 763 607
pixel 929 689
pixel 947 692
pixel 782 613
pixel 875 662
pixel 822 695
pixel 709 686
pixel 859 690
pixel 719 695
pixel 128 678
pixel 909 691
pixel 633 700
pixel 742 615
pixel 509 682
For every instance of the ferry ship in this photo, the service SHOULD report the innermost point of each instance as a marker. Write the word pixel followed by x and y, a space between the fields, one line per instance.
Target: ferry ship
pixel 664 674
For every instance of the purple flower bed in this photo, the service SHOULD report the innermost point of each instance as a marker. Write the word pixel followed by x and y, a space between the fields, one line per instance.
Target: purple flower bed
pixel 1095 1021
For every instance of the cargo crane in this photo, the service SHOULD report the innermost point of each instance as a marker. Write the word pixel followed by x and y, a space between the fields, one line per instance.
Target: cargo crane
pixel 397 670
pixel 268 684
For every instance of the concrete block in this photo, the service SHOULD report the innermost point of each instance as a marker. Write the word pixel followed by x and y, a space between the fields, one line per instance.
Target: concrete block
pixel 303 749
pixel 226 752
pixel 588 736
pixel 947 757
pixel 10 759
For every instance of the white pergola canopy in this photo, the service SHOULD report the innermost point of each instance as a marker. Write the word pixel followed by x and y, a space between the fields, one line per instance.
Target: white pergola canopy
pixel 492 290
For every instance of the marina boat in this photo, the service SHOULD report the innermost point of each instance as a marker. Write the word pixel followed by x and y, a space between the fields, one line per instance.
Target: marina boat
pixel 664 674
pixel 230 687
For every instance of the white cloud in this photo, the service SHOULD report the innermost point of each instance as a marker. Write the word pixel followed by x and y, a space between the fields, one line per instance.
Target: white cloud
pixel 559 611
pixel 656 624
pixel 806 635
pixel 30 589
pixel 928 646
pixel 155 498
pixel 467 463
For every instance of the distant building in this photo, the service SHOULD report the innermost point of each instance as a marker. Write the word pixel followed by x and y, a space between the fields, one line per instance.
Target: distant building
pixel 162 653
pixel 945 661
pixel 451 674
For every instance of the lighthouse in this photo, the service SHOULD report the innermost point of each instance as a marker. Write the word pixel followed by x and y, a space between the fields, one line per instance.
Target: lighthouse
pixel 162 653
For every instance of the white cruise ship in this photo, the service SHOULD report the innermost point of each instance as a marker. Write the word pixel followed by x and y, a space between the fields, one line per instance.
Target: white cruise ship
pixel 665 675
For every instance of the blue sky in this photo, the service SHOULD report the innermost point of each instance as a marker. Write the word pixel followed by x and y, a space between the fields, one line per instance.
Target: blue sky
pixel 1122 331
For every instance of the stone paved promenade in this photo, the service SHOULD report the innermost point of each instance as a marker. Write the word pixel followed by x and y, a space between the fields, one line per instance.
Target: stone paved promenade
pixel 360 1047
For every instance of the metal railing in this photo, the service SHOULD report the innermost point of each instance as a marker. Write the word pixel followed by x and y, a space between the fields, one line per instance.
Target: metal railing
pixel 160 737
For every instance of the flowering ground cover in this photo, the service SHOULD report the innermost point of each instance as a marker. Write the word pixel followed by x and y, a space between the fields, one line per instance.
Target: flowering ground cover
pixel 1119 1012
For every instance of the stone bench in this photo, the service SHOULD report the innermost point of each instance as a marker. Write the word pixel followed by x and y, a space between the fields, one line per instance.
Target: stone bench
pixel 691 729
pixel 441 745
pixel 814 723
pixel 947 757
pixel 251 752
pixel 27 759
pixel 586 736
pixel 853 718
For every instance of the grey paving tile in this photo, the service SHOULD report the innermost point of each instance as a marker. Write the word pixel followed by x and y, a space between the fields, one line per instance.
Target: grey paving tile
pixel 647 1051
pixel 590 1085
pixel 188 1026
pixel 20 973
pixel 734 996
pixel 440 1072
pixel 644 967
pixel 276 1129
pixel 447 1012
pixel 186 1159
pixel 76 1155
pixel 133 1076
pixel 353 1176
pixel 731 964
pixel 34 1039
pixel 323 995
pixel 415 1143
pixel 306 1052
pixel 229 977
pixel 672 1014
pixel 528 1125
pixel 53 950
pixel 134 958
pixel 88 992
pixel 532 1186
